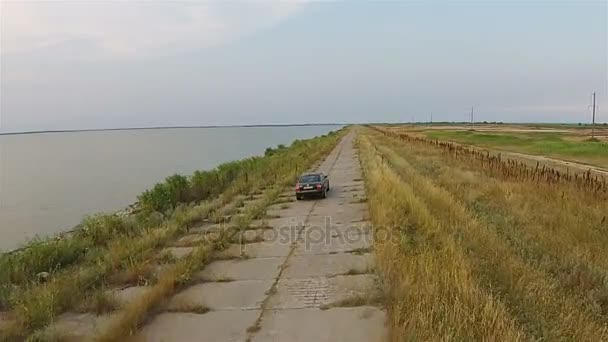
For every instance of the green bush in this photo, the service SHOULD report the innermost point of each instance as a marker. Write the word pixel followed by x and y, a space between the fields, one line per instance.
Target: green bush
pixel 40 256
pixel 101 228
pixel 202 184
pixel 165 196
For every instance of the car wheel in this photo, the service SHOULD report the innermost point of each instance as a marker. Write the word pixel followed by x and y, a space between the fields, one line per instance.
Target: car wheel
pixel 298 198
pixel 328 188
pixel 324 194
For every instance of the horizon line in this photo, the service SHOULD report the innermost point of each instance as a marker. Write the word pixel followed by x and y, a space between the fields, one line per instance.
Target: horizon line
pixel 165 127
pixel 288 125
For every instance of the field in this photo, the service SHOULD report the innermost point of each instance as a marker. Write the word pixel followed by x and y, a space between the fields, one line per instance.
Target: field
pixel 474 248
pixel 560 142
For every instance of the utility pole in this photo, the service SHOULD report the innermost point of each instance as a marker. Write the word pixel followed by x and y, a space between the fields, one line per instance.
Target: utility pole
pixel 472 116
pixel 431 118
pixel 593 120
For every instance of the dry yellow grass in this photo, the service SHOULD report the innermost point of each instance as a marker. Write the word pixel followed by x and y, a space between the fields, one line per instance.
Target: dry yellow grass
pixel 456 266
pixel 137 312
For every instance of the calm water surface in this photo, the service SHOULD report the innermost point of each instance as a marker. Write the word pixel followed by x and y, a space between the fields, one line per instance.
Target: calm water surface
pixel 49 182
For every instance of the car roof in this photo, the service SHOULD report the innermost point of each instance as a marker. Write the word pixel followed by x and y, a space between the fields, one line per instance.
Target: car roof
pixel 311 174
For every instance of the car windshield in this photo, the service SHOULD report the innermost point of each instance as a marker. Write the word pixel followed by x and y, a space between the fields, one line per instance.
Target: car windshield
pixel 310 178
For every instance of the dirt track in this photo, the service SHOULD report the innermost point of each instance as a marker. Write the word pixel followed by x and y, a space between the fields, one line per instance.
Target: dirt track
pixel 578 167
pixel 304 282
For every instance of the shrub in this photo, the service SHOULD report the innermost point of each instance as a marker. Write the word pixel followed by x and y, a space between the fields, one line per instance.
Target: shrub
pixel 165 196
pixel 40 256
pixel 102 228
pixel 202 184
pixel 269 151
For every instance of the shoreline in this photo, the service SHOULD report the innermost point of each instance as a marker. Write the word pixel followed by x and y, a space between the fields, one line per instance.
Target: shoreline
pixel 167 127
pixel 127 211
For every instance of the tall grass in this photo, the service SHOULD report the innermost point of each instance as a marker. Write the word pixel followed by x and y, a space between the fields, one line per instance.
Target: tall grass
pixel 546 290
pixel 432 293
pixel 21 268
pixel 246 172
pixel 561 231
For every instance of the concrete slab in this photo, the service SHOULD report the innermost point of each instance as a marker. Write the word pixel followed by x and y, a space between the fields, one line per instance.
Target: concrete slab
pixel 250 235
pixel 352 184
pixel 248 269
pixel 291 211
pixel 257 235
pixel 355 194
pixel 286 194
pixel 231 252
pixel 360 324
pixel 255 250
pixel 283 222
pixel 190 240
pixel 330 207
pixel 235 295
pixel 207 226
pixel 345 216
pixel 214 326
pixel 178 252
pixel 333 242
pixel 80 326
pixel 266 249
pixel 327 265
pixel 319 221
pixel 297 293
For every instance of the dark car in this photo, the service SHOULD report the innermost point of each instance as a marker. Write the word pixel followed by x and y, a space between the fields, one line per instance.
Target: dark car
pixel 312 184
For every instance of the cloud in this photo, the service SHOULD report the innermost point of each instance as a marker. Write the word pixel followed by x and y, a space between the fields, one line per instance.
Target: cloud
pixel 129 29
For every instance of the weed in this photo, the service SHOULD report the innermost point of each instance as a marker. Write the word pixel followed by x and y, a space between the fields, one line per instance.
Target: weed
pixel 360 251
pixel 254 328
pixel 99 302
pixel 356 300
pixel 354 271
pixel 224 280
pixel 189 307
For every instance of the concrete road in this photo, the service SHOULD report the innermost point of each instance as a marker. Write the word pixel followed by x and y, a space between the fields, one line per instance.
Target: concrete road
pixel 308 276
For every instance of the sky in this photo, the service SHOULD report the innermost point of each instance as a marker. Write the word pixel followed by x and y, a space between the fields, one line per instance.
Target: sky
pixel 115 64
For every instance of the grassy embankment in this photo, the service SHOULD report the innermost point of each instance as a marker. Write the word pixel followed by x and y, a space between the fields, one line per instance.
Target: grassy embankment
pixel 470 255
pixel 111 251
pixel 558 145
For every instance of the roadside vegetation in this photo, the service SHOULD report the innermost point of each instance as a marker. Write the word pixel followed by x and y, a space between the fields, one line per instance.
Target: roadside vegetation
pixel 56 275
pixel 468 253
